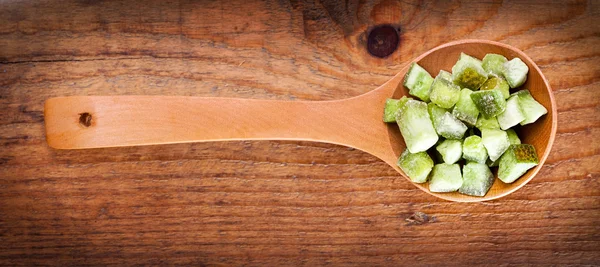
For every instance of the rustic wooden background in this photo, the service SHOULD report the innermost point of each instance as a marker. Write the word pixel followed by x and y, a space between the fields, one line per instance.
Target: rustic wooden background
pixel 277 202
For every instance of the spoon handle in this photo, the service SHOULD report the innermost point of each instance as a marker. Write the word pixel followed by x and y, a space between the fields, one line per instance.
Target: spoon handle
pixel 78 122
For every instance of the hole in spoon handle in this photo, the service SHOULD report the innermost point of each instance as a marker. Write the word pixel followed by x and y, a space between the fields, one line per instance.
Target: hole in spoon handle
pixel 85 119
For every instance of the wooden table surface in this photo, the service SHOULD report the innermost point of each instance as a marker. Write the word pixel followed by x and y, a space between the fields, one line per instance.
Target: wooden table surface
pixel 277 202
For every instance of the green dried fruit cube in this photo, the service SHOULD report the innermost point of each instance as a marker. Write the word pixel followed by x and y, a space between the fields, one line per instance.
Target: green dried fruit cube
pixel 445 123
pixel 451 150
pixel 474 150
pixel 515 72
pixel 477 179
pixel 483 122
pixel 445 178
pixel 435 112
pixel 468 72
pixel 443 92
pixel 489 102
pixel 391 107
pixel 513 138
pixel 416 126
pixel 497 83
pixel 495 142
pixel 465 110
pixel 493 63
pixel 450 127
pixel 445 75
pixel 516 161
pixel 512 115
pixel 417 166
pixel 466 57
pixel 418 81
pixel 531 108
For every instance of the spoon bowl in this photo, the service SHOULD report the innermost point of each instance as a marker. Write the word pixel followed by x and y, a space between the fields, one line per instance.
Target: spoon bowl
pixel 79 122
pixel 540 134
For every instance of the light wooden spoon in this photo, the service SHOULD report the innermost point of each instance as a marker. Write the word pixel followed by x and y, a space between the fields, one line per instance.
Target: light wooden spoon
pixel 109 121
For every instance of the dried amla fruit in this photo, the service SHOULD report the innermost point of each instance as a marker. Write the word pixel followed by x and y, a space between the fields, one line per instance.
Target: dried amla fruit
pixel 512 115
pixel 493 63
pixel 418 81
pixel 531 108
pixel 474 150
pixel 416 126
pixel 516 161
pixel 513 138
pixel 443 92
pixel 489 102
pixel 435 112
pixel 445 75
pixel 495 82
pixel 468 72
pixel 463 56
pixel 450 150
pixel 477 179
pixel 465 110
pixel 417 166
pixel 495 142
pixel 391 107
pixel 445 123
pixel 483 122
pixel 515 72
pixel 445 178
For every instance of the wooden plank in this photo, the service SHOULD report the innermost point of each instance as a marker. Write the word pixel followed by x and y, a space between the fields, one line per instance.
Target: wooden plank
pixel 277 203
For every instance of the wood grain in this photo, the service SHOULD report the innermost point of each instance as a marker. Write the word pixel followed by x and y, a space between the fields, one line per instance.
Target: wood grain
pixel 284 202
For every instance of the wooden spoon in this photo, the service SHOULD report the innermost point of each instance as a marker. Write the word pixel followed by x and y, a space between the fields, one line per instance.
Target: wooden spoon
pixel 109 121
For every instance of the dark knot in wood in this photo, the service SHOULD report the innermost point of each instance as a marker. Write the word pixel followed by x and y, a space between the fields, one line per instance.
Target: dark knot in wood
pixel 383 40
